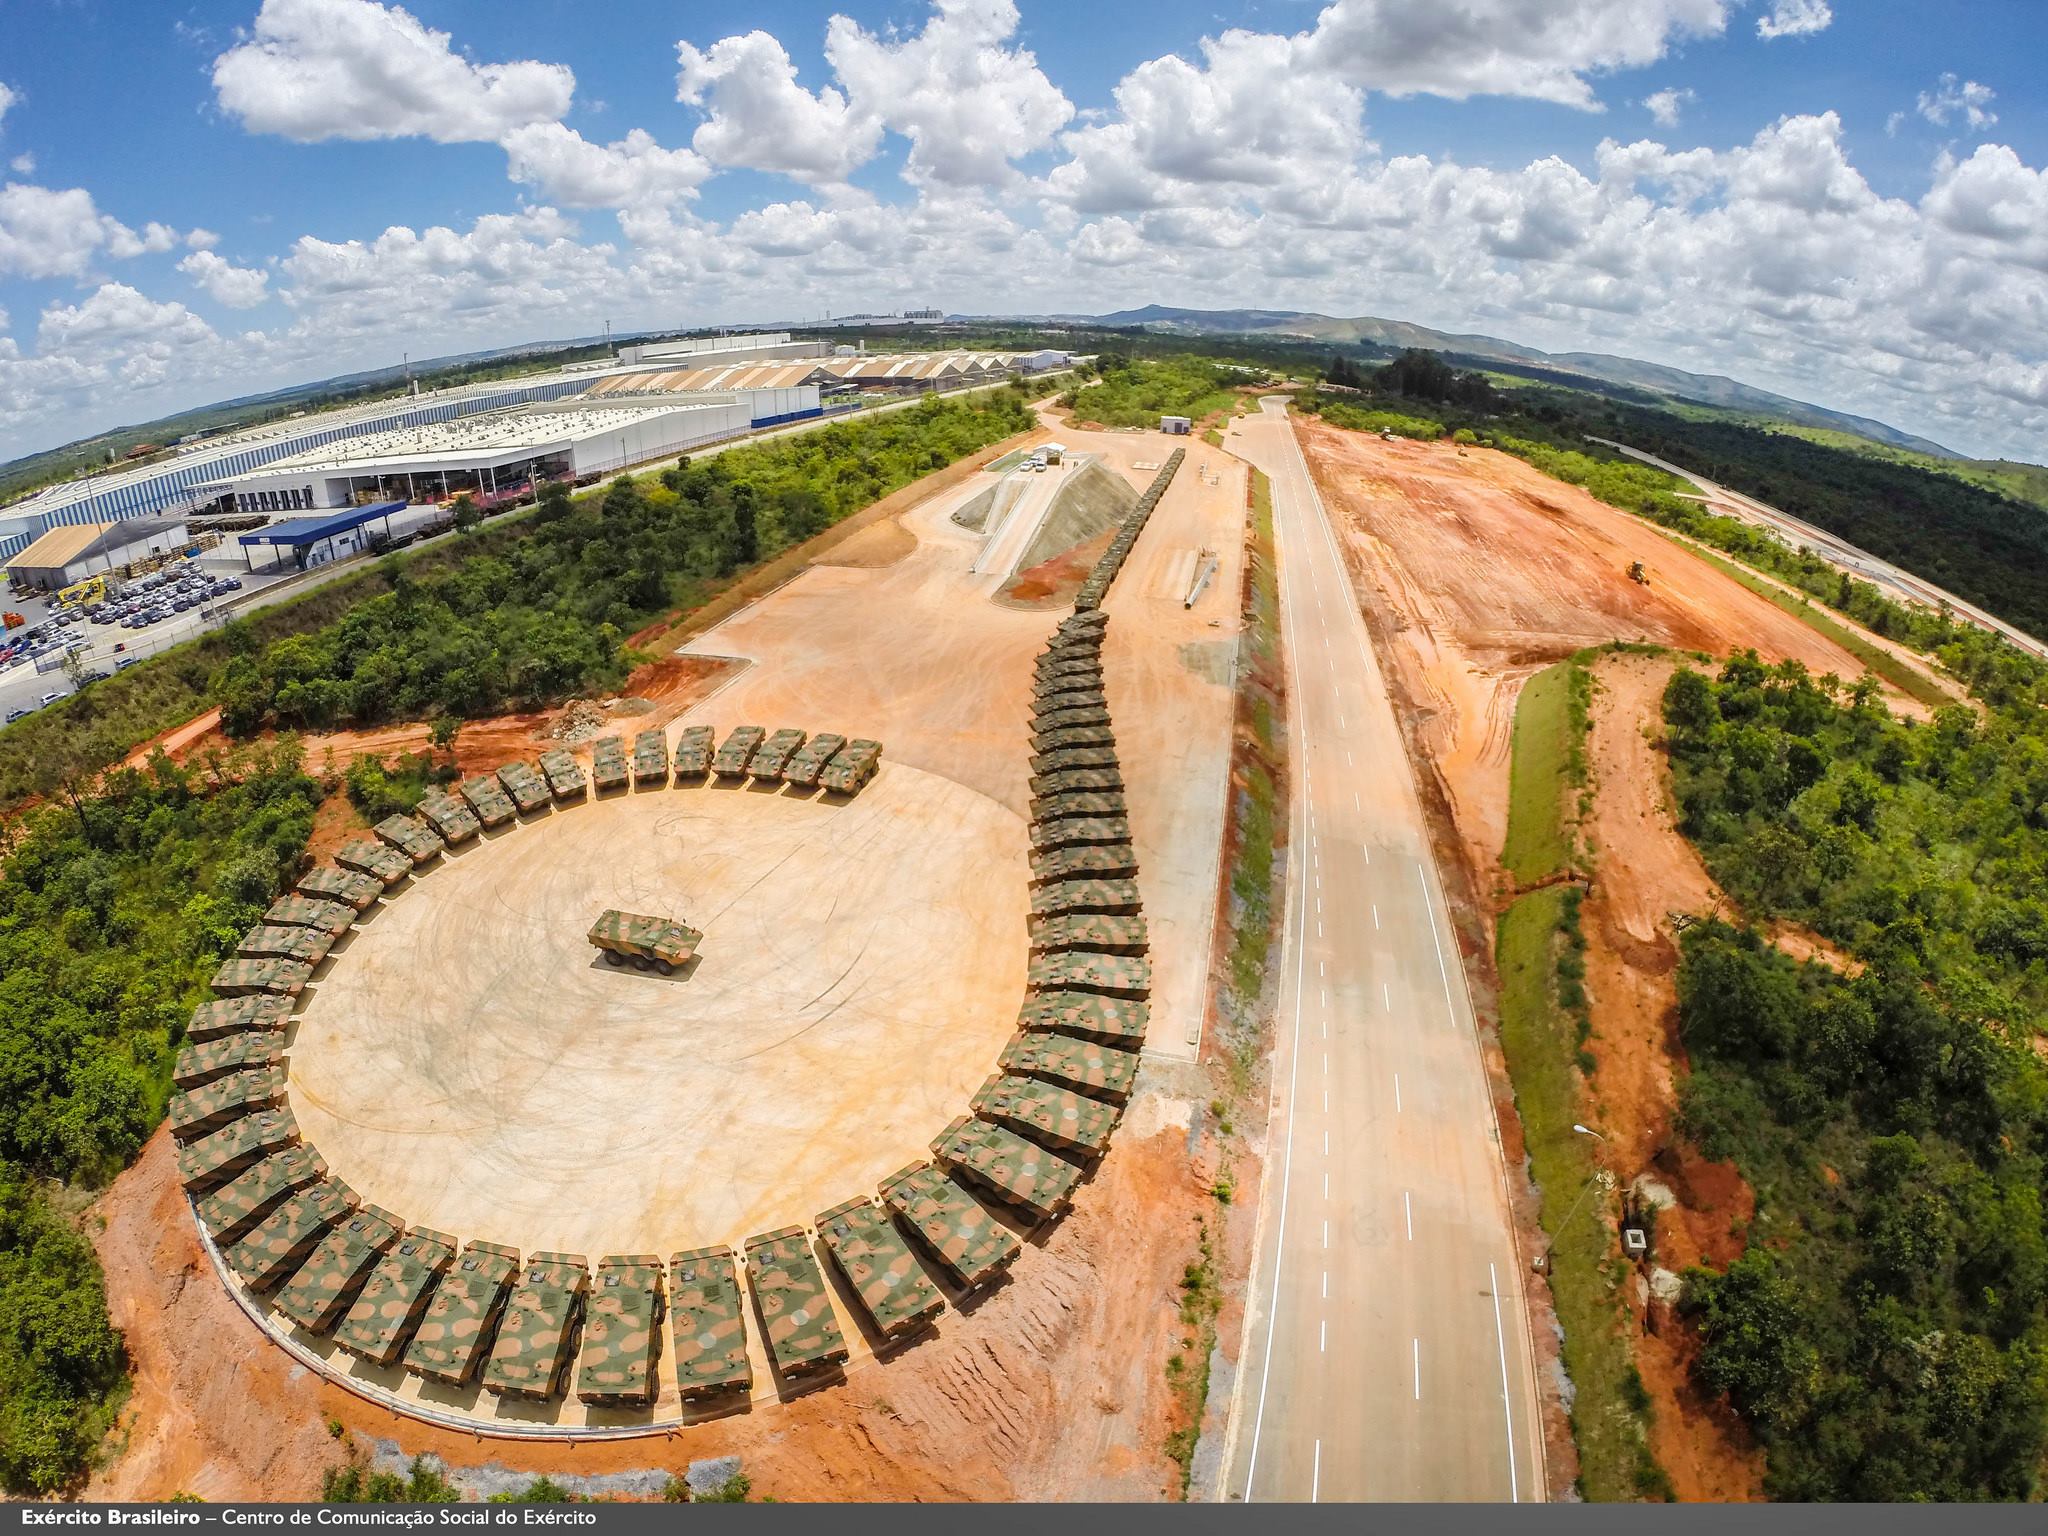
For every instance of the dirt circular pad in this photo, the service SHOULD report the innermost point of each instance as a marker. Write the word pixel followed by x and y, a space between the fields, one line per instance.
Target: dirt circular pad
pixel 468 1062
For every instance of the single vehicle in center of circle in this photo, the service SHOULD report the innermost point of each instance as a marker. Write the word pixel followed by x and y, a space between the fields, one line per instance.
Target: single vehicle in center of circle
pixel 649 943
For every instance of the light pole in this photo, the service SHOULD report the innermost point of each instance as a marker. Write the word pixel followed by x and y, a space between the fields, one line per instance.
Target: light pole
pixel 1597 1176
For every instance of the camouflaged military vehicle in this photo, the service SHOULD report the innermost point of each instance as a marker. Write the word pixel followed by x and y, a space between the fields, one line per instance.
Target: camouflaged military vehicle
pixel 693 753
pixel 852 766
pixel 1052 720
pixel 254 1012
pixel 891 1287
pixel 1079 971
pixel 455 1333
pixel 1020 1172
pixel 452 821
pixel 708 1318
pixel 608 763
pixel 648 943
pixel 531 1355
pixel 529 791
pixel 1114 862
pixel 247 1198
pixel 1117 1020
pixel 772 757
pixel 809 762
pixel 1100 1071
pixel 381 1320
pixel 1079 802
pixel 1058 782
pixel 374 859
pixel 272 1250
pixel 197 1111
pixel 216 1158
pixel 1088 650
pixel 1068 691
pixel 1082 624
pixel 650 757
pixel 330 917
pixel 796 1313
pixel 237 978
pixel 323 1288
pixel 737 751
pixel 487 797
pixel 969 1244
pixel 1061 898
pixel 200 1064
pixel 410 836
pixel 1080 832
pixel 1051 1116
pixel 349 887
pixel 621 1333
pixel 264 942
pixel 1049 739
pixel 1095 931
pixel 564 774
pixel 1057 767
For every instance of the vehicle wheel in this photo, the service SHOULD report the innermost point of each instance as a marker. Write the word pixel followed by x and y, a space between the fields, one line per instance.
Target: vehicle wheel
pixel 613 957
pixel 664 967
pixel 641 963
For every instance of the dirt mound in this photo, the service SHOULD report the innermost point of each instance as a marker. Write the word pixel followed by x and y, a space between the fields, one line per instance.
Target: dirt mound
pixel 1053 583
pixel 1091 502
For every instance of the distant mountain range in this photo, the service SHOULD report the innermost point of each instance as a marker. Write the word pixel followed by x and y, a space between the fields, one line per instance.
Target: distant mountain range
pixel 1707 389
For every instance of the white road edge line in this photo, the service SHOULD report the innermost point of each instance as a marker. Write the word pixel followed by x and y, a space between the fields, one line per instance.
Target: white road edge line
pixel 1315 1476
pixel 1408 1210
pixel 1442 970
pixel 1418 1369
pixel 1507 1403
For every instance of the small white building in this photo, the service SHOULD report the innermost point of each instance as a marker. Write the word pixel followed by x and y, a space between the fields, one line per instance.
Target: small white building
pixel 1179 426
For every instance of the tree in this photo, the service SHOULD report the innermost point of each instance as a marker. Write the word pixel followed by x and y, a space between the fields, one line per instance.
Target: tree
pixel 467 514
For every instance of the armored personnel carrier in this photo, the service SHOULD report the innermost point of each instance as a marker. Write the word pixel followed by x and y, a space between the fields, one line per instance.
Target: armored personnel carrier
pixel 772 757
pixel 621 1333
pixel 197 1111
pixel 708 1317
pixel 237 978
pixel 1091 931
pixel 410 836
pixel 254 1012
pixel 650 757
pixel 452 821
pixel 1054 1117
pixel 1116 862
pixel 892 1288
pixel 487 797
pixel 1116 1020
pixel 1058 738
pixel 1071 690
pixel 374 859
pixel 737 751
pixel 693 753
pixel 649 943
pixel 1083 1065
pixel 1066 897
pixel 1047 723
pixel 529 791
pixel 803 1332
pixel 1080 832
pixel 456 1330
pixel 1051 767
pixel 323 1288
pixel 1096 802
pixel 810 759
pixel 608 763
pixel 218 1157
pixel 264 942
pixel 972 1246
pixel 564 774
pixel 329 917
pixel 276 1246
pixel 1054 669
pixel 1060 782
pixel 852 766
pixel 381 1320
pixel 1015 1170
pixel 349 887
pixel 200 1064
pixel 1083 653
pixel 531 1355
pixel 1081 971
pixel 247 1198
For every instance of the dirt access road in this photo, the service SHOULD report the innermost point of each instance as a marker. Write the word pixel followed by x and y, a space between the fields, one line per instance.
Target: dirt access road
pixel 1386 1354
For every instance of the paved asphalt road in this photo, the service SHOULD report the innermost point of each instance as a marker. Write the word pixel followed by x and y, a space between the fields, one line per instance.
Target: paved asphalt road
pixel 1387 1352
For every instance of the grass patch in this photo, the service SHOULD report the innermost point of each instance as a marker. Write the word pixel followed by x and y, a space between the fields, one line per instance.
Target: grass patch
pixel 1201 1298
pixel 1548 758
pixel 1910 681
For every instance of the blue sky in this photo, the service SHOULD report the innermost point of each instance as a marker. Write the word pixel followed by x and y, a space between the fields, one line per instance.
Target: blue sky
pixel 1838 199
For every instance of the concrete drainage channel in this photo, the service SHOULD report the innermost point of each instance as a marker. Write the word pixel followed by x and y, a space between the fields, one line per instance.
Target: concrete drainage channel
pixel 272 1218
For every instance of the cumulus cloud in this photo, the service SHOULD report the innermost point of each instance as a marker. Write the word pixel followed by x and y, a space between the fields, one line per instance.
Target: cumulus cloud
pixel 757 116
pixel 122 334
pixel 1794 18
pixel 1665 105
pixel 568 169
pixel 1953 98
pixel 8 98
pixel 50 233
pixel 224 282
pixel 23 164
pixel 353 69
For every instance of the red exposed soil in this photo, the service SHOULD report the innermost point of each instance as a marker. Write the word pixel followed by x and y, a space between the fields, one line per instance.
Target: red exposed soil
pixel 1053 583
